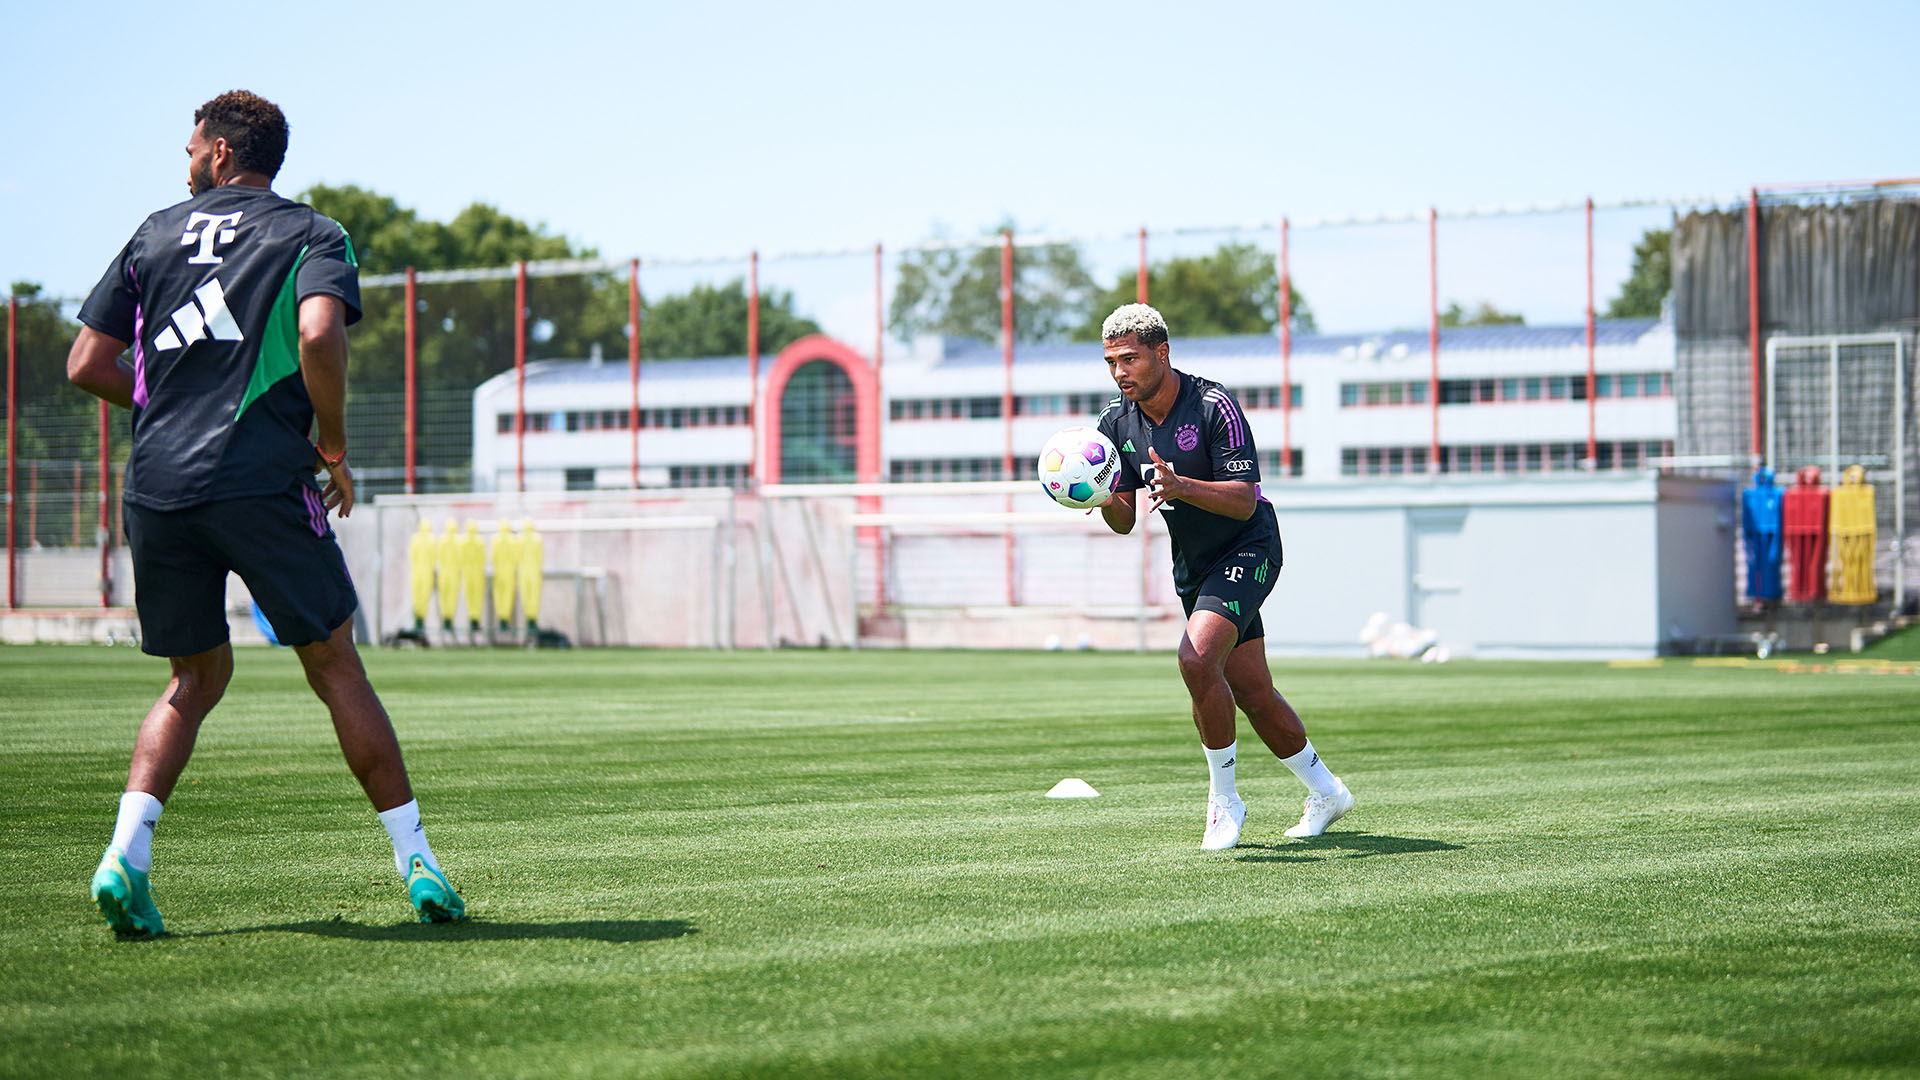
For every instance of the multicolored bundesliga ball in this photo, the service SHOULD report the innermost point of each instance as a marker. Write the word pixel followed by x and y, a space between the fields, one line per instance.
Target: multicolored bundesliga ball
pixel 1078 466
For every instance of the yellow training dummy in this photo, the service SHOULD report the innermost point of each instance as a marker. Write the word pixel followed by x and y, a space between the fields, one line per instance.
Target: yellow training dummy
pixel 506 562
pixel 1852 529
pixel 447 566
pixel 533 554
pixel 420 551
pixel 473 573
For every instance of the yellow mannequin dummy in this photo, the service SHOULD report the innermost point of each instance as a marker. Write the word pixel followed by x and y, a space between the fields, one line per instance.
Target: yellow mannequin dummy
pixel 420 552
pixel 473 573
pixel 447 567
pixel 532 554
pixel 506 563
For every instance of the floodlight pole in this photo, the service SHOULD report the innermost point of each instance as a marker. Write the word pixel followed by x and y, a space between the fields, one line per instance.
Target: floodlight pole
pixel 413 391
pixel 1593 444
pixel 1006 392
pixel 633 366
pixel 1433 334
pixel 1286 353
pixel 520 374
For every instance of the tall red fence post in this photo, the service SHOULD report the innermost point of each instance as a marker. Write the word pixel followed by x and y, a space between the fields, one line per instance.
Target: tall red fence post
pixel 753 363
pixel 520 374
pixel 413 384
pixel 1140 275
pixel 106 533
pixel 1593 443
pixel 1006 389
pixel 1286 354
pixel 1753 316
pixel 1433 334
pixel 633 364
pixel 879 310
pixel 13 447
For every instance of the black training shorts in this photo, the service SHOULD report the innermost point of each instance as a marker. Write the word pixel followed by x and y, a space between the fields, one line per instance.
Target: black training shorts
pixel 280 545
pixel 1237 585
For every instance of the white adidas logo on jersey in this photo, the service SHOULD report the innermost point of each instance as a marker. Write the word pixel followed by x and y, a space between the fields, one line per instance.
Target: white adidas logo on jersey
pixel 208 318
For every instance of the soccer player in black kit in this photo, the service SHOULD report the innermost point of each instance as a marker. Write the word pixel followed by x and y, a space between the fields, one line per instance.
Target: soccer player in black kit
pixel 1186 441
pixel 235 304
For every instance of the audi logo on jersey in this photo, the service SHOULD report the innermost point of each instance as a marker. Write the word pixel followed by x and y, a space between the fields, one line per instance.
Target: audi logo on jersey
pixel 1241 465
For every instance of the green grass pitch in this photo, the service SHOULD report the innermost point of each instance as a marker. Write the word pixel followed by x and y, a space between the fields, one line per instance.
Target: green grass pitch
pixel 831 864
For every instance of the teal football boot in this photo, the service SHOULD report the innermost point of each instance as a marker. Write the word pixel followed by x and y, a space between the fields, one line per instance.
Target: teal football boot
pixel 432 897
pixel 121 893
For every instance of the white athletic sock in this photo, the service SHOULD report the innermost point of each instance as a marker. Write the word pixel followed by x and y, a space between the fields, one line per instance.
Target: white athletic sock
pixel 1306 765
pixel 408 835
pixel 133 830
pixel 1220 769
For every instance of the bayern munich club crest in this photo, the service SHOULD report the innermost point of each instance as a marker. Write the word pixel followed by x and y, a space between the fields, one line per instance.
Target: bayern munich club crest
pixel 1187 437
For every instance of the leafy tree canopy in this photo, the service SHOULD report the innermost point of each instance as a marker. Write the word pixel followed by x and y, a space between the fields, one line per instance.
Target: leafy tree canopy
pixel 1483 315
pixel 1650 279
pixel 1234 290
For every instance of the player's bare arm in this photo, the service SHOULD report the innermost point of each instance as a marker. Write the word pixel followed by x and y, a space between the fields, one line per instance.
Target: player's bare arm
pixel 323 364
pixel 1117 512
pixel 93 365
pixel 1236 499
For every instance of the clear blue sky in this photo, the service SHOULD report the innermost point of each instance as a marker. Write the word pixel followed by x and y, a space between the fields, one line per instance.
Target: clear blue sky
pixel 683 129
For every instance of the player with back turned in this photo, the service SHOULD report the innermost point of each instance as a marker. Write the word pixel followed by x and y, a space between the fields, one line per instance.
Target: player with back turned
pixel 1186 441
pixel 236 304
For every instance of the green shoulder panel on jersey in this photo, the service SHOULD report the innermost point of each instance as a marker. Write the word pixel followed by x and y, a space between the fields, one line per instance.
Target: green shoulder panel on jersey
pixel 352 259
pixel 279 354
pixel 1112 405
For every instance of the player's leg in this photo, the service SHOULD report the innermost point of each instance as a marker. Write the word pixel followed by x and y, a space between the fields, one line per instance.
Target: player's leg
pixel 1204 649
pixel 179 593
pixel 1280 728
pixel 285 551
pixel 373 753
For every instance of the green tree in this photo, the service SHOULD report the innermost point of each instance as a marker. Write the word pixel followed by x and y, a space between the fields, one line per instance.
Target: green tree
pixel 1650 279
pixel 465 329
pixel 1234 290
pixel 711 320
pixel 956 291
pixel 1484 315
pixel 43 335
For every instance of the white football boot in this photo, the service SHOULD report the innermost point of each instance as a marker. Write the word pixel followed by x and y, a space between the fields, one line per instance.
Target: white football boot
pixel 1225 813
pixel 1322 811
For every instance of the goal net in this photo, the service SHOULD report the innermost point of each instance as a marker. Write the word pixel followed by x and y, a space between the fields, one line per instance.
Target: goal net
pixel 1840 400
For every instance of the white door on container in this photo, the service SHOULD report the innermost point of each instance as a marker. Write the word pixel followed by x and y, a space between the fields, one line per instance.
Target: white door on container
pixel 1437 560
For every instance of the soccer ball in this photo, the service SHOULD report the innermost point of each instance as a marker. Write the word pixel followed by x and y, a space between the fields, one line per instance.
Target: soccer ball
pixel 1078 466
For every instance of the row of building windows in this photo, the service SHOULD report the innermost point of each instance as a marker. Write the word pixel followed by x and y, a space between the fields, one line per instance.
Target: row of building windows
pixel 1501 457
pixel 1650 384
pixel 691 416
pixel 1640 384
pixel 916 470
pixel 733 475
pixel 1082 405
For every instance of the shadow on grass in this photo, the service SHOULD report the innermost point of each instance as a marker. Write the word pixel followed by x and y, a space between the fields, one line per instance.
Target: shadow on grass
pixel 1342 845
pixel 619 931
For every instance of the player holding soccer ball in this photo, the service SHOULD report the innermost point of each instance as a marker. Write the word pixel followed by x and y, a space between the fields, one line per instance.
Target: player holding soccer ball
pixel 1186 441
pixel 235 303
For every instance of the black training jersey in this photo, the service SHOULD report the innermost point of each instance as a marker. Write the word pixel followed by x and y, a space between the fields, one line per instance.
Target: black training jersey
pixel 1205 437
pixel 209 292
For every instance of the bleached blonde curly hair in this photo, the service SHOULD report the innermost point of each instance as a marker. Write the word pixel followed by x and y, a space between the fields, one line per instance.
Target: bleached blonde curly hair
pixel 1143 321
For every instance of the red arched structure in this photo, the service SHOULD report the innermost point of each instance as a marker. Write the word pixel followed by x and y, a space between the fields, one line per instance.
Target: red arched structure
pixel 866 405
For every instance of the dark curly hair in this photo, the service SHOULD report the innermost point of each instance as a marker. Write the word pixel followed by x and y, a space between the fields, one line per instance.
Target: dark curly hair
pixel 254 128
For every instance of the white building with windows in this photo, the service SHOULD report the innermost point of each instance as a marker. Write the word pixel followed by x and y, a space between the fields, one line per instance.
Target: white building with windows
pixel 1511 399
